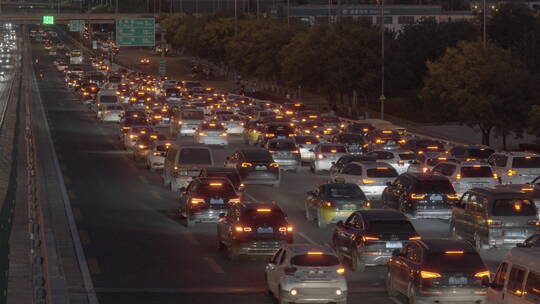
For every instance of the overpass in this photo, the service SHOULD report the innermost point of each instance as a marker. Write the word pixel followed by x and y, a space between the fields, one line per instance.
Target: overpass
pixel 64 18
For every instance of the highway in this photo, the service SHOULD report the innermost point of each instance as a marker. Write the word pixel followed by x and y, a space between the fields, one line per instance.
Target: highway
pixel 136 247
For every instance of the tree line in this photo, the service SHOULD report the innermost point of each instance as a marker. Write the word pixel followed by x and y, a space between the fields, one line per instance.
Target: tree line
pixel 435 72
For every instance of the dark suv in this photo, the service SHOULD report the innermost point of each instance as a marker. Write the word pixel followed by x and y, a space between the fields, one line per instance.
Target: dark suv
pixel 421 195
pixel 424 145
pixel 438 271
pixel 368 237
pixel 471 153
pixel 253 229
pixel 256 166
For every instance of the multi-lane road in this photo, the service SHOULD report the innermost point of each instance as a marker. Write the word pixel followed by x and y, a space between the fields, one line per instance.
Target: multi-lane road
pixel 137 249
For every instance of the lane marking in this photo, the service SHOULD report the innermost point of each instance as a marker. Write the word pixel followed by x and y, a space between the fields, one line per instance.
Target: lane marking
pixel 143 179
pixel 190 237
pixel 93 266
pixel 214 265
pixel 396 300
pixel 84 236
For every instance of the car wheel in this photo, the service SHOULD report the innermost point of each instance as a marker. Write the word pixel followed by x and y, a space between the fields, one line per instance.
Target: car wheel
pixel 390 289
pixel 308 214
pixel 321 224
pixel 356 264
pixel 412 296
pixel 232 252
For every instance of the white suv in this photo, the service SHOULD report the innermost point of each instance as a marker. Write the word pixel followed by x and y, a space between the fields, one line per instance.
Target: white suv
pixel 515 167
pixel 466 175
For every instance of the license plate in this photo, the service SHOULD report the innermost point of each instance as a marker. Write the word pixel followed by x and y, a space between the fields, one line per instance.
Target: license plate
pixel 260 168
pixel 348 207
pixel 394 245
pixel 436 197
pixel 166 118
pixel 390 142
pixel 216 201
pixel 265 230
pixel 457 280
pixel 281 137
pixel 513 233
pixel 478 185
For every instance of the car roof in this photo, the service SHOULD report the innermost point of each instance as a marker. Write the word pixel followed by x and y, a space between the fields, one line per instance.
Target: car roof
pixel 501 191
pixel 426 177
pixel 472 164
pixel 379 214
pixel 275 140
pixel 305 248
pixel 525 257
pixel 373 164
pixel 441 245
pixel 532 190
pixel 257 205
pixel 251 151
pixel 519 154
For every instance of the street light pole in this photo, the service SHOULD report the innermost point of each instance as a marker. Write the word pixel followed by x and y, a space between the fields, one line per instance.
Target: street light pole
pixel 382 98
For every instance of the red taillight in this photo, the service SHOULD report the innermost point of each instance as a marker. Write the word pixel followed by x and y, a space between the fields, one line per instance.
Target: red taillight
pixel 534 223
pixel 242 229
pixel 482 274
pixel 429 275
pixel 290 270
pixel 415 238
pixel 369 238
pixel 196 201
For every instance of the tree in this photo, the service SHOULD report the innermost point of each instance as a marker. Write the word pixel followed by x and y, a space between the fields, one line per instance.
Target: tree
pixel 477 86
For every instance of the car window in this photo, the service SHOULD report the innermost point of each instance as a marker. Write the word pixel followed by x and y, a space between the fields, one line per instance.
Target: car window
pixel 515 281
pixel 407 156
pixel 500 277
pixel 194 156
pixel 276 256
pixel 500 160
pixel 333 149
pixel 315 260
pixel 283 257
pixel 481 153
pixel 513 207
pixel 476 171
pixel 381 172
pixel 390 226
pixel 433 186
pixel 532 287
pixel 345 191
pixel 526 162
pixel 352 169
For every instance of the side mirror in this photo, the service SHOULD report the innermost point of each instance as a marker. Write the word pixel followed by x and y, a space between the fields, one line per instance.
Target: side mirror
pixel 222 215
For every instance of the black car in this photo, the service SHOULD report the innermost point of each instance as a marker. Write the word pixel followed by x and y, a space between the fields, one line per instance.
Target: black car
pixel 205 199
pixel 276 130
pixel 128 121
pixel 253 229
pixel 362 128
pixel 229 173
pixel 419 146
pixel 421 195
pixel 356 143
pixel 256 166
pixel 438 271
pixel 368 237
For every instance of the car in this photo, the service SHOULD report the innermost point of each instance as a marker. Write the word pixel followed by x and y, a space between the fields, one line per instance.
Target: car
pixel 253 228
pixel 531 242
pixel 184 162
pixel 205 199
pixel 305 144
pixel 306 273
pixel 155 158
pixel 384 139
pixel 110 112
pixel 532 189
pixel 233 124
pixel 494 217
pixel 471 153
pixel 466 175
pixel 325 155
pixel 356 143
pixel 130 138
pixel 285 152
pixel 517 279
pixel 515 167
pixel 422 145
pixel 229 173
pixel 368 237
pixel 211 133
pixel 421 196
pixel 185 121
pixel 256 166
pixel 333 202
pixel 424 162
pixel 277 131
pixel 144 143
pixel 371 177
pixel 399 159
pixel 338 165
pixel 129 119
pixel 362 128
pixel 438 271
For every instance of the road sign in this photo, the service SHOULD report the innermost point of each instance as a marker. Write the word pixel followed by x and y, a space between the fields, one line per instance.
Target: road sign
pixel 76 26
pixel 136 32
pixel 162 67
pixel 47 19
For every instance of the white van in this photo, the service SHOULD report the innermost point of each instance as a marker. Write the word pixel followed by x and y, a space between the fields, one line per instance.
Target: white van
pixel 183 162
pixel 106 97
pixel 517 279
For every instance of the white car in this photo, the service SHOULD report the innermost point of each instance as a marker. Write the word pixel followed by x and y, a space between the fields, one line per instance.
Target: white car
pixel 371 177
pixel 155 159
pixel 306 144
pixel 399 159
pixel 306 273
pixel 130 138
pixel 233 124
pixel 211 133
pixel 110 112
pixel 426 161
pixel 325 155
pixel 515 167
pixel 467 175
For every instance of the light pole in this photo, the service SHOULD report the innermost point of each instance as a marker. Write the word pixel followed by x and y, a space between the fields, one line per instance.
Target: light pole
pixel 382 98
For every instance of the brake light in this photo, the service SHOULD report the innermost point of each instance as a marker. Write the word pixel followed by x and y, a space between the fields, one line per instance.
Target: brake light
pixel 295 151
pixel 132 136
pixel 495 176
pixel 415 238
pixel 482 274
pixel 367 181
pixel 156 154
pixel 417 196
pixel 340 270
pixel 327 204
pixel 534 223
pixel 511 172
pixel 458 176
pixel 369 238
pixel 527 189
pixel 320 156
pixel 315 253
pixel 216 184
pixel 234 201
pixel 196 201
pixel 142 147
pixel 245 165
pixel 242 229
pixel 264 210
pixel 492 222
pixel 269 135
pixel 432 147
pixel 202 134
pixel 367 204
pixel 453 252
pixel 452 196
pixel 223 134
pixel 379 141
pixel 429 275
pixel 274 165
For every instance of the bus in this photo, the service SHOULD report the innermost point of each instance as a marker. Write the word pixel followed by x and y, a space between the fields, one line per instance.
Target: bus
pixel 75 57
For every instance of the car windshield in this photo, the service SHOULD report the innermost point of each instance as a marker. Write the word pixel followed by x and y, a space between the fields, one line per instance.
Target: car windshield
pixel 281 129
pixel 306 140
pixel 315 260
pixel 472 172
pixel 258 155
pixel 115 79
pixel 435 161
pixel 454 263
pixel 345 191
pixel 282 145
pixel 258 218
pixel 216 189
pixel 433 186
pixel 481 153
pixel 526 162
pixel 384 226
pixel 114 107
pixel 382 172
pixel 329 119
pixel 108 99
pixel 190 156
pixel 232 176
pixel 333 149
pixel 195 115
pixel 351 138
pixel 513 207
pixel 407 156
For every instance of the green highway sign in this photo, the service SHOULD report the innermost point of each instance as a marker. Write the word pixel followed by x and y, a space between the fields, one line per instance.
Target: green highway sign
pixel 47 19
pixel 76 26
pixel 136 32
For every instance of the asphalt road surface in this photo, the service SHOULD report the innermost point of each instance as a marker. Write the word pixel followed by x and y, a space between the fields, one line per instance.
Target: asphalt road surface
pixel 136 247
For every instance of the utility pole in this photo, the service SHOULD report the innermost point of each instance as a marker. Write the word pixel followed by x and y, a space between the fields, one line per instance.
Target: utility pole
pixel 382 98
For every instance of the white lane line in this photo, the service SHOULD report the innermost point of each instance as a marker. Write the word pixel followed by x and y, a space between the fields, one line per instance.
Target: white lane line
pixel 307 238
pixel 190 237
pixel 143 179
pixel 214 265
pixel 396 300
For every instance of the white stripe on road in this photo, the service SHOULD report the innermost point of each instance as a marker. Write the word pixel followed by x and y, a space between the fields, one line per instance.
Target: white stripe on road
pixel 396 300
pixel 214 265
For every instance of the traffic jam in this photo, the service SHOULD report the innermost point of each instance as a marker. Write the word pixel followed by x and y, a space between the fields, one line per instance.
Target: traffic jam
pixel 379 179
